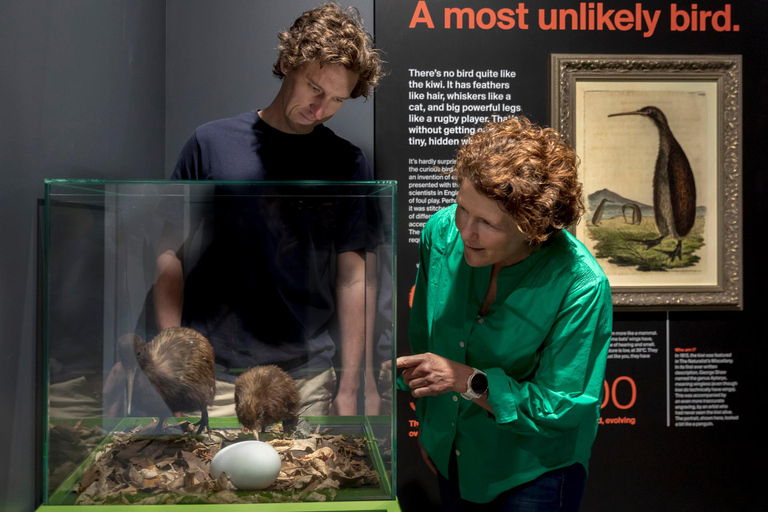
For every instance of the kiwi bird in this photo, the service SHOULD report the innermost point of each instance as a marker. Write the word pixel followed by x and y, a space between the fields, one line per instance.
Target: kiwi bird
pixel 265 395
pixel 179 363
pixel 674 189
pixel 139 395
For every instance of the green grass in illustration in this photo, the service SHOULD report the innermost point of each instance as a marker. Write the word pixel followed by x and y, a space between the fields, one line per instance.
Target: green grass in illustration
pixel 621 244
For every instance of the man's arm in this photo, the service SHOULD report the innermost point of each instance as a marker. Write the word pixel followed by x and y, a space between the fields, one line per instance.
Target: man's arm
pixel 356 306
pixel 372 397
pixel 168 292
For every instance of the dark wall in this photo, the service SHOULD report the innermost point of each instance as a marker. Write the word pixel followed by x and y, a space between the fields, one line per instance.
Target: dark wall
pixel 81 95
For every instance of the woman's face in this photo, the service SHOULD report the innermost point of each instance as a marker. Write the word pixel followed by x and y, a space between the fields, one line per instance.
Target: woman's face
pixel 490 235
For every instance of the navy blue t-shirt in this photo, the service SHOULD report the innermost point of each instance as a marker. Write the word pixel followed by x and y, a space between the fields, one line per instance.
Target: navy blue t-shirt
pixel 246 148
pixel 261 289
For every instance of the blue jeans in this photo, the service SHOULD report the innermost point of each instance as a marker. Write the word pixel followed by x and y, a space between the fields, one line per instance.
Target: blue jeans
pixel 559 490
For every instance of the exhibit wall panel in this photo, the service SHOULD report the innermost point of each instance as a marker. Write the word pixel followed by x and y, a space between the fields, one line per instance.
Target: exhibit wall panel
pixel 680 426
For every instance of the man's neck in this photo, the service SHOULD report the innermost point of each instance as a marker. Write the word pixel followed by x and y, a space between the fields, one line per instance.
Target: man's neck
pixel 267 115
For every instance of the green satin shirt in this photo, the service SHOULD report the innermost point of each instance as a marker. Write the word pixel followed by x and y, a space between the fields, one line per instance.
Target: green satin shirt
pixel 543 345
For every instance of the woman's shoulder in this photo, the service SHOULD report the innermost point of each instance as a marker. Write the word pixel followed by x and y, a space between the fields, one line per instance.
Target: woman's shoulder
pixel 441 228
pixel 443 217
pixel 570 255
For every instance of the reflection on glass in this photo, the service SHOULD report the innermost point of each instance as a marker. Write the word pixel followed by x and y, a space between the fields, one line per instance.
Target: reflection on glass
pixel 163 298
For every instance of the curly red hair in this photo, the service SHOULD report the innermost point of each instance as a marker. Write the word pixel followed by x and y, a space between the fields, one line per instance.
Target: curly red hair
pixel 529 170
pixel 330 34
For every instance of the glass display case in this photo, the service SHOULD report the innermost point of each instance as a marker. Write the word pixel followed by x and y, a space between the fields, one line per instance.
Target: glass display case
pixel 186 320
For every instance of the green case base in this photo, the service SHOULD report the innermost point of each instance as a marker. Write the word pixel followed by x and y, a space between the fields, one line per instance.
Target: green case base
pixel 345 506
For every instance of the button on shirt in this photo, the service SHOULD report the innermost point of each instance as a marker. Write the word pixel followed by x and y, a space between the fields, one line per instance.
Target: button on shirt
pixel 543 345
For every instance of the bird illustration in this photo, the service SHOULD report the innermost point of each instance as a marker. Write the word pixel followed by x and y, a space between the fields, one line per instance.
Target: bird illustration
pixel 674 189
pixel 598 216
pixel 179 363
pixel 637 214
pixel 265 395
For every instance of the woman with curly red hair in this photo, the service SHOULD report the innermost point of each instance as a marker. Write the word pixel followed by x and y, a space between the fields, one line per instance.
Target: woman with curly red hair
pixel 509 328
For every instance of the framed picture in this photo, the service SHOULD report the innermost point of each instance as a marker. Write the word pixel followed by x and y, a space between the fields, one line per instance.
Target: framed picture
pixel 659 139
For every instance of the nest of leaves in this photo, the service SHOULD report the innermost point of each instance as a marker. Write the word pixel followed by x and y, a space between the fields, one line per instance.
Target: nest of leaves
pixel 67 445
pixel 140 469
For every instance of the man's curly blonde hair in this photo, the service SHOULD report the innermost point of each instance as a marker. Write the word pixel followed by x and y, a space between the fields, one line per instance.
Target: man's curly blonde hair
pixel 330 34
pixel 529 170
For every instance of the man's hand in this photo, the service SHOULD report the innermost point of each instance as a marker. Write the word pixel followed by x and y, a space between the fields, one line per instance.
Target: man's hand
pixel 345 404
pixel 113 391
pixel 430 375
pixel 372 397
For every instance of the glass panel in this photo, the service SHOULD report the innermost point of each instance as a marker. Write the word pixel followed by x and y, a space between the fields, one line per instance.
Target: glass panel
pixel 298 275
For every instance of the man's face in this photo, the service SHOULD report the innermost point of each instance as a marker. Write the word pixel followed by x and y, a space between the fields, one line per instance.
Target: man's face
pixel 311 94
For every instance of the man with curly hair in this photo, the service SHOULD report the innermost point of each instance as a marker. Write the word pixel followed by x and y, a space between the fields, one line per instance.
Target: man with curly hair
pixel 262 292
pixel 509 328
pixel 324 59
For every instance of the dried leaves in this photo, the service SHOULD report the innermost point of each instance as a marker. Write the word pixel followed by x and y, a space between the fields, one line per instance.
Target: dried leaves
pixel 68 445
pixel 131 465
pixel 176 469
pixel 323 463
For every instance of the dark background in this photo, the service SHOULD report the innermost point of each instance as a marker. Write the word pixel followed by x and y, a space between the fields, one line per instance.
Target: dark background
pixel 110 89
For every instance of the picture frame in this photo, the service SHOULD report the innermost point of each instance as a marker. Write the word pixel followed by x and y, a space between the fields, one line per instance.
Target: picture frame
pixel 659 143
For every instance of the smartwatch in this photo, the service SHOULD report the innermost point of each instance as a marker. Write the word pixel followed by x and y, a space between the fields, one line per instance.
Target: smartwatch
pixel 477 385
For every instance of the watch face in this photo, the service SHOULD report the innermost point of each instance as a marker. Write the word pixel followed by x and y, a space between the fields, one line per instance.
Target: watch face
pixel 480 383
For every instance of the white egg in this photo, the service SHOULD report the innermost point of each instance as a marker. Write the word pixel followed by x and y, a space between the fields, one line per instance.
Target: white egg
pixel 250 465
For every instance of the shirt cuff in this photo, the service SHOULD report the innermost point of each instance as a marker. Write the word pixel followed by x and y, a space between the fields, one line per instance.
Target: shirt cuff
pixel 500 395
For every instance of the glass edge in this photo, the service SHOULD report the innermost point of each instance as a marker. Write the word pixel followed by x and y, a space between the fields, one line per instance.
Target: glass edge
pixel 76 181
pixel 95 187
pixel 45 376
pixel 393 427
pixel 49 183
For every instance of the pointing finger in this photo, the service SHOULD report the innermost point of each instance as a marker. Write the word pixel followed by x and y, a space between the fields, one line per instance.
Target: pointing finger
pixel 409 361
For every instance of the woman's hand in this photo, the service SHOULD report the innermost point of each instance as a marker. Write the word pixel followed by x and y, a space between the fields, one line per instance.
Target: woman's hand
pixel 429 374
